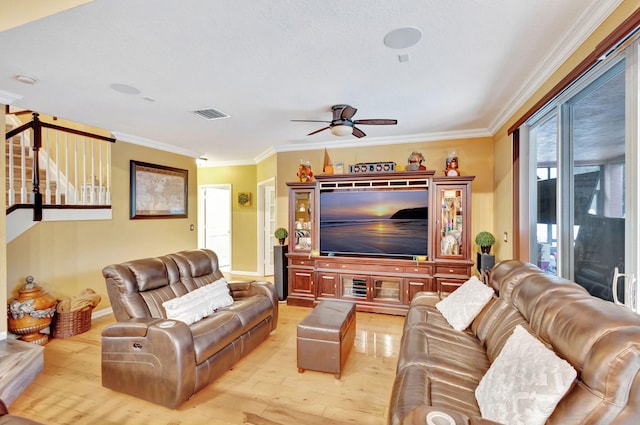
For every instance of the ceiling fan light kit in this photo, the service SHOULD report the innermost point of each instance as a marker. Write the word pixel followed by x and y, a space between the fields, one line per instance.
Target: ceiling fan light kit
pixel 342 123
pixel 341 130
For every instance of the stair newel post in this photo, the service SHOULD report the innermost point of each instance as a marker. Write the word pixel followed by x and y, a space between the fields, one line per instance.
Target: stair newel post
pixel 37 144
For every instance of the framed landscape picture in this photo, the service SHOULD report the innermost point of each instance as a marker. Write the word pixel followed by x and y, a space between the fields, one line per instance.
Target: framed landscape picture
pixel 157 191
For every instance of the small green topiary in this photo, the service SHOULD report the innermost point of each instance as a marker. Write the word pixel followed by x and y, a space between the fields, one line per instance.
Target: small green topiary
pixel 485 239
pixel 281 233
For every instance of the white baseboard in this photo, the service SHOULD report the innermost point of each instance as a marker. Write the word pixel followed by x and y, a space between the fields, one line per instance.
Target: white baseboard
pixel 102 313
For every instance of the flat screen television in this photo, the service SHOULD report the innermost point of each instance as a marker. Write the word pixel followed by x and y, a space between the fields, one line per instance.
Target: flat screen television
pixel 380 222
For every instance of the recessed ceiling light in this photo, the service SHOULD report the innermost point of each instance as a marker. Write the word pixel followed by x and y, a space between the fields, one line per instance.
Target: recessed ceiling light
pixel 124 88
pixel 27 79
pixel 402 38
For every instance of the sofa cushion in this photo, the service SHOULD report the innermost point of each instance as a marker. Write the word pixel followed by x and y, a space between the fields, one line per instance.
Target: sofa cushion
pixel 199 303
pixel 464 304
pixel 252 310
pixel 418 385
pixel 525 383
pixel 215 332
pixel 461 354
pixel 152 273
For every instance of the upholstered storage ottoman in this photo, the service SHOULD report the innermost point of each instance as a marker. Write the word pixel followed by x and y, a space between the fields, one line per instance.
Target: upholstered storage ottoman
pixel 325 337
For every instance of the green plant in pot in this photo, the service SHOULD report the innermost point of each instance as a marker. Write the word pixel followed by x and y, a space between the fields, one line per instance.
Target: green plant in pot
pixel 281 234
pixel 485 240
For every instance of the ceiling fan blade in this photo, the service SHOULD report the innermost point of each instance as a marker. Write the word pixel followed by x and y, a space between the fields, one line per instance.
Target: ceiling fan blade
pixel 376 122
pixel 311 121
pixel 318 131
pixel 357 132
pixel 348 112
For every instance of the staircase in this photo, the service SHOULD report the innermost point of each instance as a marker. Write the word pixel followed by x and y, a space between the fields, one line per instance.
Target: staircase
pixel 20 191
pixel 73 179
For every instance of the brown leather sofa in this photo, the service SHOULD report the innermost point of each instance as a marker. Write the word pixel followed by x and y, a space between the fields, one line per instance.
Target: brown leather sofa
pixel 8 419
pixel 166 361
pixel 439 368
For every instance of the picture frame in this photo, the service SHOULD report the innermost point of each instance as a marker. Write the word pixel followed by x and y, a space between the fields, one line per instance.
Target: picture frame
pixel 244 199
pixel 157 191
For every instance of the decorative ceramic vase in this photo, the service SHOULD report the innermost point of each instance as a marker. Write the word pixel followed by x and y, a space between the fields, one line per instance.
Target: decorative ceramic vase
pixel 31 312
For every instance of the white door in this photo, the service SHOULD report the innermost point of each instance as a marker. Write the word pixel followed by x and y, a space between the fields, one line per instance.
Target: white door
pixel 269 226
pixel 215 227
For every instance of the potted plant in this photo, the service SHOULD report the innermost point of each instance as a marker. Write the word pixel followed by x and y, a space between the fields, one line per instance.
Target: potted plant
pixel 485 240
pixel 281 234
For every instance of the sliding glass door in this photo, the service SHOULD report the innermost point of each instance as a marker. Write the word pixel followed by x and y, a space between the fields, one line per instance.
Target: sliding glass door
pixel 578 182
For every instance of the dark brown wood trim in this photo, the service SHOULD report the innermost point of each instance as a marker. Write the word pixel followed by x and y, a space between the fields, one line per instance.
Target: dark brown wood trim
pixel 58 207
pixel 603 47
pixel 78 132
pixel 18 130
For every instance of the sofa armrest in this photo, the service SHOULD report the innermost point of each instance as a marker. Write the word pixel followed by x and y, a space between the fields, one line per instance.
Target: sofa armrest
pixel 444 416
pixel 153 359
pixel 244 289
pixel 131 327
pixel 426 298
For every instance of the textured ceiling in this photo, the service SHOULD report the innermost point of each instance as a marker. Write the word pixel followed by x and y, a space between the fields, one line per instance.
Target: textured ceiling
pixel 267 62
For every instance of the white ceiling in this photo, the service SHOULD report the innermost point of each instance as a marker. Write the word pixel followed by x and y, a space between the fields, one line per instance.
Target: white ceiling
pixel 267 62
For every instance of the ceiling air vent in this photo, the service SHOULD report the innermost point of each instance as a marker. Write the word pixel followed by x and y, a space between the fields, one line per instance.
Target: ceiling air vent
pixel 211 114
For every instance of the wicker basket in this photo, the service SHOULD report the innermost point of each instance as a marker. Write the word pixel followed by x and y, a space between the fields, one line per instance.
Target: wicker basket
pixel 72 323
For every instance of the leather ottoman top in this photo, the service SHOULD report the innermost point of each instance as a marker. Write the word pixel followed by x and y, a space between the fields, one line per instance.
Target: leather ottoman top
pixel 328 321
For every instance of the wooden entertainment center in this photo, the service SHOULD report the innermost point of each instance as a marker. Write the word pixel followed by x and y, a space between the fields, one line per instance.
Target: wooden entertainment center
pixel 379 283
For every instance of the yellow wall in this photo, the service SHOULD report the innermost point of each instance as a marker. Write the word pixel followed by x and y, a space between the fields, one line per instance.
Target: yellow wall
pixel 474 156
pixel 67 257
pixel 267 169
pixel 504 204
pixel 14 13
pixel 242 178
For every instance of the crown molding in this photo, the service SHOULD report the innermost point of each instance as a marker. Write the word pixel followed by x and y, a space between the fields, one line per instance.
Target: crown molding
pixel 377 141
pixel 575 36
pixel 264 155
pixel 7 98
pixel 136 140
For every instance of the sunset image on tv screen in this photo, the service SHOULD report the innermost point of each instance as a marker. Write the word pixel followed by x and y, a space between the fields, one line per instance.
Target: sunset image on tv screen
pixel 374 222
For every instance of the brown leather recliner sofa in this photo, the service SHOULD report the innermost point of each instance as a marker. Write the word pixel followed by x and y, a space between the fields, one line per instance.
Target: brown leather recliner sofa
pixel 165 361
pixel 8 419
pixel 440 368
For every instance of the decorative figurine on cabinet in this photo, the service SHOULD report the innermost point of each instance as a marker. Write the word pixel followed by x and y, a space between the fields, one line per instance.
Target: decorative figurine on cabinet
pixel 452 166
pixel 304 172
pixel 414 163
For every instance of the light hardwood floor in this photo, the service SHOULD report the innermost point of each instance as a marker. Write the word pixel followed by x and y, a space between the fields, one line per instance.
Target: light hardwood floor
pixel 264 388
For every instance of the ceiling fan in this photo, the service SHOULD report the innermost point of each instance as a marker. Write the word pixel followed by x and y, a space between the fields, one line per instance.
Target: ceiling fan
pixel 342 123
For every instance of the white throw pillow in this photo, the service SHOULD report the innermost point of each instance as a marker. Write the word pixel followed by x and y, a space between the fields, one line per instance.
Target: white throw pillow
pixel 199 303
pixel 464 304
pixel 525 382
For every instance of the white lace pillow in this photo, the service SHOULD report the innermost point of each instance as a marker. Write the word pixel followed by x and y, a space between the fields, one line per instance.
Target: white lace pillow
pixel 464 304
pixel 525 382
pixel 199 303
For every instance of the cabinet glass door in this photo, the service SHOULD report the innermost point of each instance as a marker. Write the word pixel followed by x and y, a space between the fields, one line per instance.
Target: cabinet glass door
pixel 451 222
pixel 386 289
pixel 303 226
pixel 354 287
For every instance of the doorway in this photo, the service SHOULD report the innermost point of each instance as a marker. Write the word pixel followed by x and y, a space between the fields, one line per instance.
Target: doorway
pixel 266 226
pixel 214 205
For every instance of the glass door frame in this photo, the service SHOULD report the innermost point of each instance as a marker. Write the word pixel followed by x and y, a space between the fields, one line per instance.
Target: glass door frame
pixel 562 106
